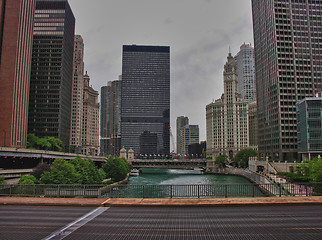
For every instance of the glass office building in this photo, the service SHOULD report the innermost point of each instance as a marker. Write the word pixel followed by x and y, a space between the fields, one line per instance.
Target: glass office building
pixel 52 70
pixel 145 98
pixel 309 127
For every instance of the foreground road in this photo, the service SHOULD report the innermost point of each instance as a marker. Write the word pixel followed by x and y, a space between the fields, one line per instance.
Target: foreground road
pixel 281 222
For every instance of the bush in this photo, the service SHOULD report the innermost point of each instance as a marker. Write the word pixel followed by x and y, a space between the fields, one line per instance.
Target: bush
pixel 116 169
pixel 61 172
pixel 28 179
pixel 87 172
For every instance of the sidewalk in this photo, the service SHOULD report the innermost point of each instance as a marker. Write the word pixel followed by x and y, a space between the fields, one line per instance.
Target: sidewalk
pixel 134 202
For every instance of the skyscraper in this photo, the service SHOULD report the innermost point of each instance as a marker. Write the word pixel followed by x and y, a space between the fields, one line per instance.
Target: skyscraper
pixel 16 29
pixel 309 127
pixel 189 135
pixel 245 63
pixel 110 142
pixel 77 94
pixel 90 122
pixel 288 53
pixel 181 122
pixel 227 117
pixel 145 96
pixel 52 70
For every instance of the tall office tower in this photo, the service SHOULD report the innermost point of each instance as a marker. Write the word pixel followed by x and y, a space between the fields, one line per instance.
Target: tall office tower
pixel 227 117
pixel 245 63
pixel 181 122
pixel 110 142
pixel 90 126
pixel 145 96
pixel 288 53
pixel 253 125
pixel 77 94
pixel 16 27
pixel 309 127
pixel 52 70
pixel 189 135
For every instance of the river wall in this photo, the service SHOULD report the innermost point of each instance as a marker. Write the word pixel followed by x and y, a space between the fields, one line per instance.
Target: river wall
pixel 251 176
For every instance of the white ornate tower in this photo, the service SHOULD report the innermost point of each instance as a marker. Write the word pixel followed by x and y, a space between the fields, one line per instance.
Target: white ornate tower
pixel 227 117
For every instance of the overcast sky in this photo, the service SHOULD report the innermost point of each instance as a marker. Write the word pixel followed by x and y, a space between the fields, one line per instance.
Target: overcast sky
pixel 199 33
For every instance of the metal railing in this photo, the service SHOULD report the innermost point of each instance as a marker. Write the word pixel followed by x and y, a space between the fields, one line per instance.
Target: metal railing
pixel 163 191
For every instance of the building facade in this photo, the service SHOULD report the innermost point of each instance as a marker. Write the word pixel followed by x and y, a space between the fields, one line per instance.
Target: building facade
pixel 227 117
pixel 77 95
pixel 145 96
pixel 181 122
pixel 288 52
pixel 309 127
pixel 90 126
pixel 245 63
pixel 253 125
pixel 16 33
pixel 52 70
pixel 110 142
pixel 189 135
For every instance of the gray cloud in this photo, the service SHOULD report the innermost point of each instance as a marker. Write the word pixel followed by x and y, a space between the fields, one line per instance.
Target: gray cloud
pixel 199 34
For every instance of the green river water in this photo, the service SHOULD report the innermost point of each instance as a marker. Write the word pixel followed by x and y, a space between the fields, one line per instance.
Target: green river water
pixel 171 183
pixel 182 177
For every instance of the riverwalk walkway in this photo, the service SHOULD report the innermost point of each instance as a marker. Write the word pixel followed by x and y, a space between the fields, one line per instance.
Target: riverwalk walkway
pixel 136 202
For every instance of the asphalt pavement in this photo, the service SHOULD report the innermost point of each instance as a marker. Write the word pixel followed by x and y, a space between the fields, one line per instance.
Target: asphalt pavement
pixel 168 222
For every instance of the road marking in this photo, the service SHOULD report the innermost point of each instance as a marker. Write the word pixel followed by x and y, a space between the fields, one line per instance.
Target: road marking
pixel 65 231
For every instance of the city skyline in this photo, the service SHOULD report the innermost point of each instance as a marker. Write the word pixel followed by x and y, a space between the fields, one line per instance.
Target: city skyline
pixel 199 37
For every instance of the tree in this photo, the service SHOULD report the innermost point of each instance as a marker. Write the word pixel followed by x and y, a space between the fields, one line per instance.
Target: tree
pixel 221 160
pixel 242 157
pixel 312 169
pixel 28 179
pixel 61 172
pixel 55 144
pixel 116 168
pixel 2 181
pixel 32 141
pixel 38 171
pixel 87 172
pixel 46 143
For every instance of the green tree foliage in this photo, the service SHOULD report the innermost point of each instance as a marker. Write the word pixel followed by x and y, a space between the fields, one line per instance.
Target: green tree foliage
pixel 32 141
pixel 41 167
pixel 221 160
pixel 55 144
pixel 46 143
pixel 116 168
pixel 28 179
pixel 87 172
pixel 61 172
pixel 310 171
pixel 241 158
pixel 102 173
pixel 2 181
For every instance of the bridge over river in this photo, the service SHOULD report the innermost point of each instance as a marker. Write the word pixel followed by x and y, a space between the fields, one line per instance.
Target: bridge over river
pixel 169 164
pixel 21 158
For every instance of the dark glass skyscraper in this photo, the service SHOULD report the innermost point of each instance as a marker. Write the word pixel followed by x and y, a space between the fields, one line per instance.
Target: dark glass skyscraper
pixel 52 70
pixel 145 99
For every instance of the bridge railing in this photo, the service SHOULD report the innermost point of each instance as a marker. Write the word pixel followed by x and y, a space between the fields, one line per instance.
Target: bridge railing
pixel 163 191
